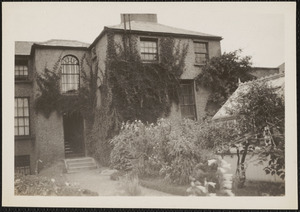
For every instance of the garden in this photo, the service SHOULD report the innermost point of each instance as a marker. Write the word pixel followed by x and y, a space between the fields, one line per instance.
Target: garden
pixel 180 157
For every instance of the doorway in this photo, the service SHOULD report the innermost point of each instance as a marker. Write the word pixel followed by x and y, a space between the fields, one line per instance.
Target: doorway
pixel 73 135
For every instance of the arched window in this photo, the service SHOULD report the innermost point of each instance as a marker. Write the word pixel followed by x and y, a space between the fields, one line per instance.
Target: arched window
pixel 69 74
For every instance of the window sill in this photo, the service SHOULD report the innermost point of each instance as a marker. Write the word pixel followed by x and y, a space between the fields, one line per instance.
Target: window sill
pixel 24 137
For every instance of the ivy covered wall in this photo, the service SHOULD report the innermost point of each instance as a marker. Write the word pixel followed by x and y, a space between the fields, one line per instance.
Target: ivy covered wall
pixel 49 134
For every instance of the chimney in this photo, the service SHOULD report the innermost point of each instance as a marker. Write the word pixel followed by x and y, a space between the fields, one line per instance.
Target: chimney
pixel 139 17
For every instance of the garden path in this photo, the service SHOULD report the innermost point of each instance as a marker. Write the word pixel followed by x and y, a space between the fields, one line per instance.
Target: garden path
pixel 99 181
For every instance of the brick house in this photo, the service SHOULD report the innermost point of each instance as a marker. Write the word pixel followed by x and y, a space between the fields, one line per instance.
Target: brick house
pixel 62 136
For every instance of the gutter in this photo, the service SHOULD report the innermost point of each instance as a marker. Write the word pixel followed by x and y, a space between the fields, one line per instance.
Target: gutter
pixel 35 45
pixel 154 33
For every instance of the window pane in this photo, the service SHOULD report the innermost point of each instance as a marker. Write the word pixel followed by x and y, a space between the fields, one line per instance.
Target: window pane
pixel 20 102
pixel 16 131
pixel 26 131
pixel 21 122
pixel 187 101
pixel 200 58
pixel 26 121
pixel 20 111
pixel 25 102
pixel 21 130
pixel 200 47
pixel 70 79
pixel 149 50
pixel 26 113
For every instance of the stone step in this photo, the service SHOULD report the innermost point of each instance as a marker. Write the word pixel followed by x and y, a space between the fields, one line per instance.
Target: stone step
pixel 79 164
pixel 76 170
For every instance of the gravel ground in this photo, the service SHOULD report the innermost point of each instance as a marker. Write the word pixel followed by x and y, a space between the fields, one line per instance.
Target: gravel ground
pixel 99 181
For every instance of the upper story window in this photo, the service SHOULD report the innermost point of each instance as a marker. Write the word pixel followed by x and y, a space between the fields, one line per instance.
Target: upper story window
pixel 149 49
pixel 21 116
pixel 201 53
pixel 69 74
pixel 21 69
pixel 187 100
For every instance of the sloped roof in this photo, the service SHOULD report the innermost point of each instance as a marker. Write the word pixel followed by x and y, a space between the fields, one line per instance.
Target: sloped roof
pixel 23 47
pixel 274 81
pixel 66 43
pixel 159 28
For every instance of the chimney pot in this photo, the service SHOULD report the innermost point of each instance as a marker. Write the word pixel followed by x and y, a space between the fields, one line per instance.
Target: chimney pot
pixel 139 17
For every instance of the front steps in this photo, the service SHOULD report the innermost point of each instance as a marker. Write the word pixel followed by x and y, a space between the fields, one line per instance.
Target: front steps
pixel 80 164
pixel 70 153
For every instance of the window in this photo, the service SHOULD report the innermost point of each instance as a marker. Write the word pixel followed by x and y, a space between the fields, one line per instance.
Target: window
pixel 21 117
pixel 22 164
pixel 149 52
pixel 187 100
pixel 201 53
pixel 21 70
pixel 69 74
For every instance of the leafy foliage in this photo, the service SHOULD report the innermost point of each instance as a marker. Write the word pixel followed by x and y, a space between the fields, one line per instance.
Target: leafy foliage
pixel 262 115
pixel 167 149
pixel 51 99
pixel 144 91
pixel 260 122
pixel 131 89
pixel 221 75
pixel 32 185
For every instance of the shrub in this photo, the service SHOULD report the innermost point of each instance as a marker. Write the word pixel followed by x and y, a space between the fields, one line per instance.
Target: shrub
pixel 32 185
pixel 131 185
pixel 170 149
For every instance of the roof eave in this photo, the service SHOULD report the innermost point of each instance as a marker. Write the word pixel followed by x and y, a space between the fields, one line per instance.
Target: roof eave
pixel 169 34
pixel 55 47
pixel 218 38
pixel 98 38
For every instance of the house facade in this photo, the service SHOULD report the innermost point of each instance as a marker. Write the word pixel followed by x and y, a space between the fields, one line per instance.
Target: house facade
pixel 63 135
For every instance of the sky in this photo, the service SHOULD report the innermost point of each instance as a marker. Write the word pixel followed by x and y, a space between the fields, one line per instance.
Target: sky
pixel 256 29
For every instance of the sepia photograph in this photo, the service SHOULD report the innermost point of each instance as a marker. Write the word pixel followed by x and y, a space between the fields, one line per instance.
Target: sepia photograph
pixel 149 105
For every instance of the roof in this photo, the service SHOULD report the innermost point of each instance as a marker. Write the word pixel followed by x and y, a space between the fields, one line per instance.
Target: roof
pixel 275 81
pixel 159 28
pixel 281 68
pixel 155 28
pixel 24 47
pixel 259 72
pixel 65 43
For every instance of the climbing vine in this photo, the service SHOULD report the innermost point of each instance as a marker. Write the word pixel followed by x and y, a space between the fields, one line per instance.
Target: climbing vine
pixel 129 89
pixel 144 91
pixel 51 99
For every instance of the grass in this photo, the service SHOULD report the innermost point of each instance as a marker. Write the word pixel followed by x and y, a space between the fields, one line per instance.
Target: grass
pixel 252 188
pixel 163 186
pixel 49 182
pixel 259 188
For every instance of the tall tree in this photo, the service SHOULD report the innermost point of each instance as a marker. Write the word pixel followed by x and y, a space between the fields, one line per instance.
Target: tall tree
pixel 221 75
